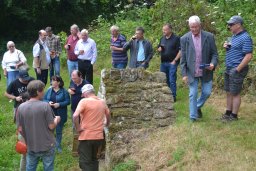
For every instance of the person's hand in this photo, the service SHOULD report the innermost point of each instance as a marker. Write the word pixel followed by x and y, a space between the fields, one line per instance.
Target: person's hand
pixel 56 105
pixel 17 66
pixel 113 47
pixel 38 70
pixel 133 37
pixel 72 92
pixel 185 79
pixel 5 73
pixel 173 62
pixel 225 45
pixel 81 52
pixel 211 67
pixel 18 98
pixel 57 120
pixel 51 103
pixel 159 49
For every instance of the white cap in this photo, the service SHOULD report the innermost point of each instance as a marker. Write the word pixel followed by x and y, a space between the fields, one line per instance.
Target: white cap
pixel 87 88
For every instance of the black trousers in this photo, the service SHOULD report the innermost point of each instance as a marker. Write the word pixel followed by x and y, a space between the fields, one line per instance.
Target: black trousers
pixel 43 76
pixel 86 68
pixel 88 151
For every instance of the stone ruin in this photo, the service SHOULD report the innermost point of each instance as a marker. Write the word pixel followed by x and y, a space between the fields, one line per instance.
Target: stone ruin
pixel 140 102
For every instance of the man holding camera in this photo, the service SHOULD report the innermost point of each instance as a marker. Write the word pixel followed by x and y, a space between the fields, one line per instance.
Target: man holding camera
pixel 169 47
pixel 18 87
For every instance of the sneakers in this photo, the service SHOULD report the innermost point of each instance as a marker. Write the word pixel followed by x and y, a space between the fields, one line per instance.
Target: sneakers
pixel 228 118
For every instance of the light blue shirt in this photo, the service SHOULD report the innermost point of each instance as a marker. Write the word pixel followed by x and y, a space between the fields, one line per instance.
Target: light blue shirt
pixel 90 50
pixel 141 53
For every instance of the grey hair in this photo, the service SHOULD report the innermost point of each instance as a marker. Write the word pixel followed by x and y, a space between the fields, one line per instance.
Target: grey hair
pixel 114 27
pixel 10 43
pixel 74 26
pixel 84 31
pixel 194 19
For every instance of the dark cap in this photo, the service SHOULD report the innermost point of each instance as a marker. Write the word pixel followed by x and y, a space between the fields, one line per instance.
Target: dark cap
pixel 48 29
pixel 235 19
pixel 23 74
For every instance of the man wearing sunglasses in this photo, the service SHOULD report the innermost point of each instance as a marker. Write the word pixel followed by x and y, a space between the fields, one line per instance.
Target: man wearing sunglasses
pixel 238 55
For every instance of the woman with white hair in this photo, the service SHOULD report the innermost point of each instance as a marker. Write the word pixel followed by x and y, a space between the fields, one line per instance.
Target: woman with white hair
pixel 11 62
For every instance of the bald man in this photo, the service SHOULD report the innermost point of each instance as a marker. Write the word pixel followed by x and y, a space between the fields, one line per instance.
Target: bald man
pixel 41 56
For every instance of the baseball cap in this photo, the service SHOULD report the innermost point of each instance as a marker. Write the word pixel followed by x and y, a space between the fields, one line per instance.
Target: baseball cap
pixel 23 74
pixel 235 19
pixel 87 88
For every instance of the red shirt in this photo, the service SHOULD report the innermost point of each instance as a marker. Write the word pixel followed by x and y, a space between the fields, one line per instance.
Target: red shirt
pixel 71 55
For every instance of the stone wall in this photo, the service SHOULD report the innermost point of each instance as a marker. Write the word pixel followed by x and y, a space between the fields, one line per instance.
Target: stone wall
pixel 139 102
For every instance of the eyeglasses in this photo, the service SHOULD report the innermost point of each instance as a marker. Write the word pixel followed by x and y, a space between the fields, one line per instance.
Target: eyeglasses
pixel 11 46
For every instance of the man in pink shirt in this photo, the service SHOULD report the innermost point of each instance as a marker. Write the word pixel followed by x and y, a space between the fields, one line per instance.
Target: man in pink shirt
pixel 199 58
pixel 72 39
pixel 92 111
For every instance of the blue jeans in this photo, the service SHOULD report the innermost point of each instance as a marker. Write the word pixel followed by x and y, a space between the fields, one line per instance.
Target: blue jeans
pixel 72 65
pixel 55 66
pixel 194 102
pixel 171 75
pixel 46 156
pixel 11 76
pixel 120 65
pixel 59 129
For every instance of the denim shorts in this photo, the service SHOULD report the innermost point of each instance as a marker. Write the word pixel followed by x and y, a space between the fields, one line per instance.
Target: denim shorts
pixel 233 81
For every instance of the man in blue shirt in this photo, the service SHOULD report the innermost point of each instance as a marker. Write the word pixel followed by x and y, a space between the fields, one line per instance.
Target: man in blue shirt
pixel 141 50
pixel 238 55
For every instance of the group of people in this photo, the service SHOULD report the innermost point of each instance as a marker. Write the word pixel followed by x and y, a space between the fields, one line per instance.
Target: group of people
pixel 36 119
pixel 199 58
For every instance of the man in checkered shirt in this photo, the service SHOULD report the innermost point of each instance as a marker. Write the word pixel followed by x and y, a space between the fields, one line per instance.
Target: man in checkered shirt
pixel 54 45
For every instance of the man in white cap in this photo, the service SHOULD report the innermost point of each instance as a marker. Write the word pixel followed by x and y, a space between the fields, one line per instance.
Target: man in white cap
pixel 238 55
pixel 92 111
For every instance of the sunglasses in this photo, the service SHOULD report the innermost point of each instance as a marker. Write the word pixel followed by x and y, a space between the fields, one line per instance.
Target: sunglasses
pixel 230 25
pixel 11 46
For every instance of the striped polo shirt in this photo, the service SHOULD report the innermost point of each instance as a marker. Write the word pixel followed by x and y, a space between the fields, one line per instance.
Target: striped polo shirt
pixel 241 44
pixel 119 56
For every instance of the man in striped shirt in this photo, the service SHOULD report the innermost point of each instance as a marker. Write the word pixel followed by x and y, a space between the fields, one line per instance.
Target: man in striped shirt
pixel 119 56
pixel 238 55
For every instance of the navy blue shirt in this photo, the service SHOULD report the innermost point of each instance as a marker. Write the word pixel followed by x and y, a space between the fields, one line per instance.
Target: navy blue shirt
pixel 241 44
pixel 119 56
pixel 170 48
pixel 75 98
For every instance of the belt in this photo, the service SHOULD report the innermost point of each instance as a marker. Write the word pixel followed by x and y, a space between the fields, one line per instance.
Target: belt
pixel 84 60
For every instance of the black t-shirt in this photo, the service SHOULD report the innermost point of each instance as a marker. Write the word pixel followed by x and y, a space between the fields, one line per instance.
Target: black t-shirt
pixel 170 49
pixel 16 88
pixel 75 98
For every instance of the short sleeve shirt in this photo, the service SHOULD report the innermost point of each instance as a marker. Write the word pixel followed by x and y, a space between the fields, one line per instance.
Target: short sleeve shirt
pixel 16 88
pixel 241 44
pixel 34 117
pixel 92 116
